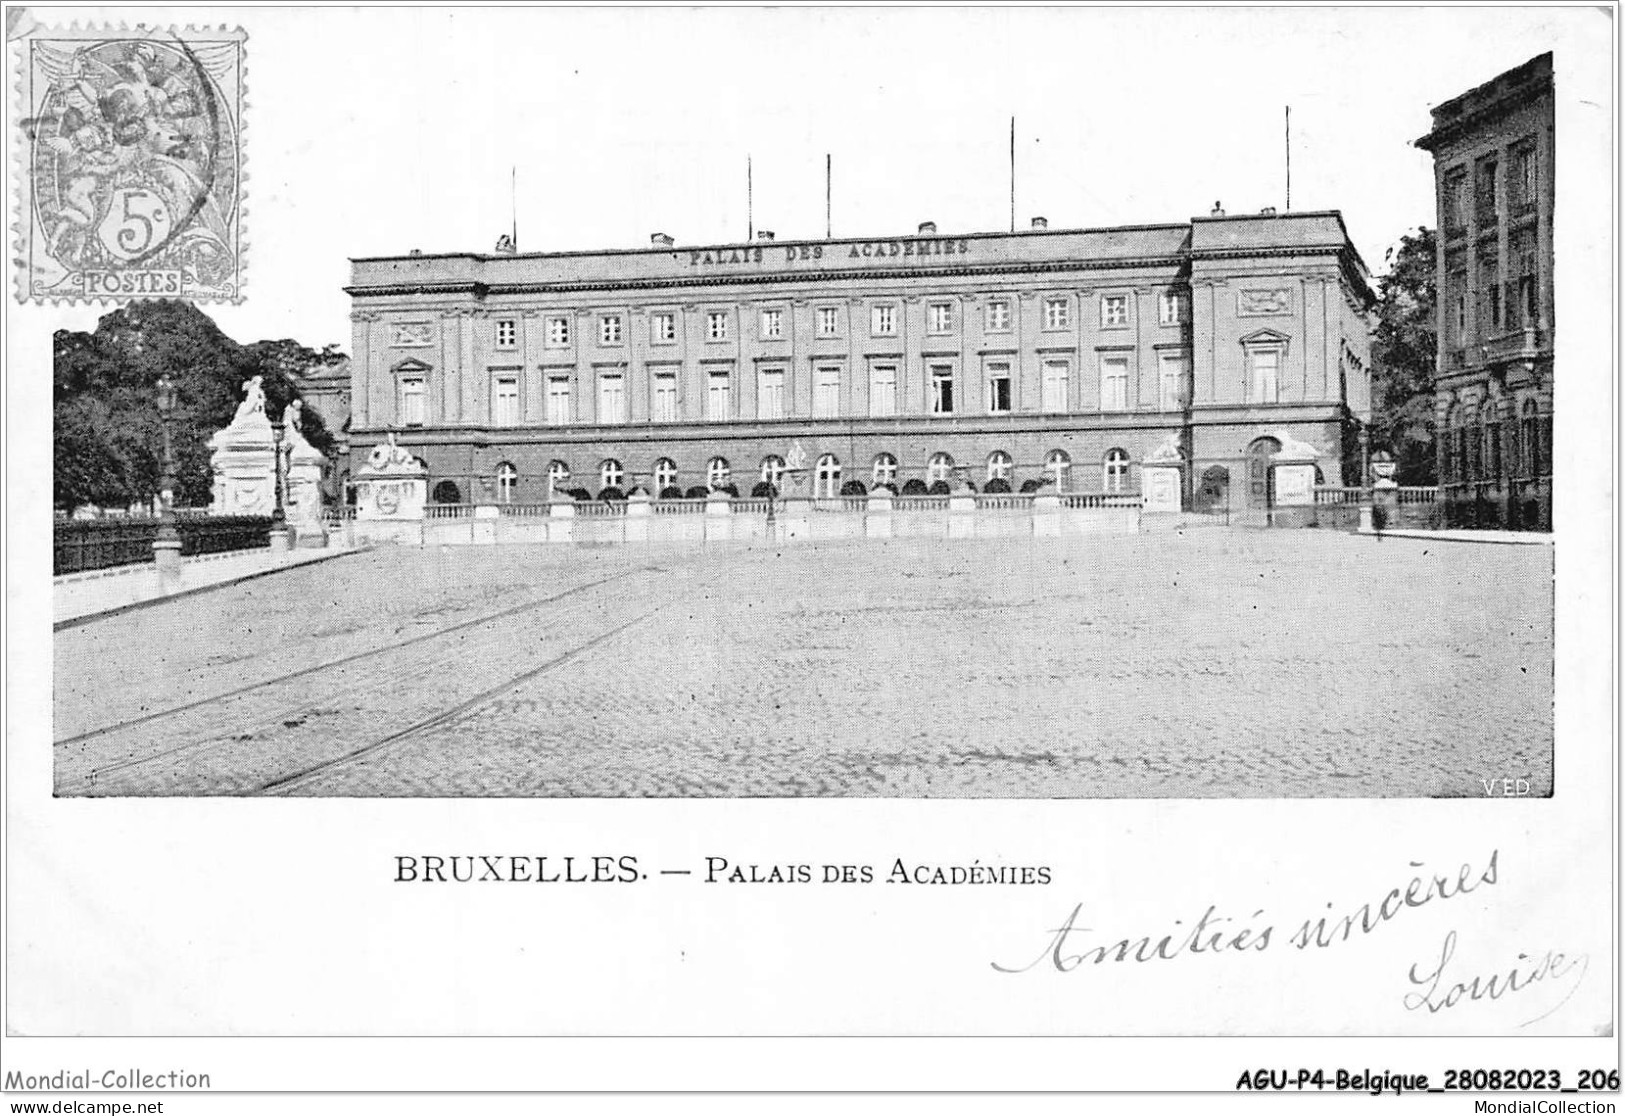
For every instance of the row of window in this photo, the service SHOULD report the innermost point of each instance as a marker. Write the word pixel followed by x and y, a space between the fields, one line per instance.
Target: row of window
pixel 1501 303
pixel 772 400
pixel 1488 198
pixel 1477 446
pixel 827 473
pixel 884 318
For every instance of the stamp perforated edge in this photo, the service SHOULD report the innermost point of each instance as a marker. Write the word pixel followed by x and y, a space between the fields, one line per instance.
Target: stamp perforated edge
pixel 20 30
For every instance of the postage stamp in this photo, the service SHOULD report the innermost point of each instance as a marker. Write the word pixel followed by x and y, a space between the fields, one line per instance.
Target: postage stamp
pixel 131 183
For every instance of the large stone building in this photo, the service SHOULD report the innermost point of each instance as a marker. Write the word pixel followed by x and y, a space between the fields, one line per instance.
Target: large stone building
pixel 1038 357
pixel 1493 170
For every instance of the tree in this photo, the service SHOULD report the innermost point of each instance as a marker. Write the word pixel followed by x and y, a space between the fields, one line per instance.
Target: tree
pixel 108 444
pixel 1403 351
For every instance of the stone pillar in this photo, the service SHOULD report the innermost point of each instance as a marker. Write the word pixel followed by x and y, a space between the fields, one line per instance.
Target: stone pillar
pixel 1385 505
pixel 1046 515
pixel 243 458
pixel 877 521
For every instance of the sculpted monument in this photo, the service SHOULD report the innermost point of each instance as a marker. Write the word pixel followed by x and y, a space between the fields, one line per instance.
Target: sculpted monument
pixel 243 458
pixel 391 485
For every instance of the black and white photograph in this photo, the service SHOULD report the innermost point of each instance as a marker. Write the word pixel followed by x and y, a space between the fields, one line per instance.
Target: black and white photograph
pixel 921 522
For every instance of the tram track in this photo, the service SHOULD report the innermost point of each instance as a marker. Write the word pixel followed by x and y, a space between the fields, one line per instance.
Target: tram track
pixel 338 663
pixel 446 716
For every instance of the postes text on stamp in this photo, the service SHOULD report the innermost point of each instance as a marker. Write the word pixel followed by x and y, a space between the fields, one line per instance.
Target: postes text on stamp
pixel 132 176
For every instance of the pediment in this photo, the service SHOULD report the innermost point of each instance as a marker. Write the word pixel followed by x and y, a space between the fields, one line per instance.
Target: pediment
pixel 411 365
pixel 1265 337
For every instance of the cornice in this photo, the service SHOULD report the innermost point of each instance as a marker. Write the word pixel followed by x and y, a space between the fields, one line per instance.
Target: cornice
pixel 1038 267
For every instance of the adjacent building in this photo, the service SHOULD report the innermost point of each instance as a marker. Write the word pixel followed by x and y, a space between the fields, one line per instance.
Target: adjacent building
pixel 1004 360
pixel 1493 169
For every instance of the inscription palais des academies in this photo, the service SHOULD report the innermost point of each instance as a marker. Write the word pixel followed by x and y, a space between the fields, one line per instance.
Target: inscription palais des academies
pixel 795 253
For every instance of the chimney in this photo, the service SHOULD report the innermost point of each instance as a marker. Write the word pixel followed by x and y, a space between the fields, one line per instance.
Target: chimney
pixel 1267 211
pixel 1218 210
pixel 928 228
pixel 660 240
pixel 1040 222
pixel 763 234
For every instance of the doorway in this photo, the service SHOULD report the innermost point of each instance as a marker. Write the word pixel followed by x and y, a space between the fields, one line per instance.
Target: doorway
pixel 1260 478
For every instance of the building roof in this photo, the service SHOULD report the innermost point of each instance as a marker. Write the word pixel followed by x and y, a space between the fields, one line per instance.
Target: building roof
pixel 923 253
pixel 1483 103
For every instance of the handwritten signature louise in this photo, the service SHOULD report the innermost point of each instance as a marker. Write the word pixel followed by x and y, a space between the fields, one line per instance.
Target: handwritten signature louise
pixel 1069 948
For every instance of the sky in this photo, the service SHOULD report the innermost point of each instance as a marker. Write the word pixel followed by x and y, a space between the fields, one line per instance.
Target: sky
pixel 376 131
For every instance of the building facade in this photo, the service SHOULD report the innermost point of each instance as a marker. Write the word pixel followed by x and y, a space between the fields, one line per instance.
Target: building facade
pixel 1492 151
pixel 1006 361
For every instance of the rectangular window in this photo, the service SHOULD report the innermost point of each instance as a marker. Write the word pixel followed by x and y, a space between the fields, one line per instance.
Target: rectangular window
pixel 772 324
pixel 1114 383
pixel 609 329
pixel 1172 382
pixel 1455 200
pixel 507 333
pixel 998 389
pixel 1264 384
pixel 716 325
pixel 829 321
pixel 883 321
pixel 558 400
pixel 1056 374
pixel 558 331
pixel 665 397
pixel 1173 308
pixel 411 401
pixel 505 401
pixel 940 317
pixel 998 316
pixel 1521 177
pixel 942 389
pixel 611 398
pixel 827 391
pixel 1055 313
pixel 882 390
pixel 1484 191
pixel 1114 310
pixel 1489 296
pixel 718 397
pixel 770 393
pixel 662 327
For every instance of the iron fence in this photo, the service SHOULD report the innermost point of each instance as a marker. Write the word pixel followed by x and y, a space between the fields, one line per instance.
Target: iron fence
pixel 98 544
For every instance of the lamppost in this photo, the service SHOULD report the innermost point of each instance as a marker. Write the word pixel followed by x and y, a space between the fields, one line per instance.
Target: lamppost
pixel 279 518
pixel 166 547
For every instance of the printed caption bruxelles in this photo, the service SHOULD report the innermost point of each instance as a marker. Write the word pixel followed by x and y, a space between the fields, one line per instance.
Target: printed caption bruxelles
pixel 626 869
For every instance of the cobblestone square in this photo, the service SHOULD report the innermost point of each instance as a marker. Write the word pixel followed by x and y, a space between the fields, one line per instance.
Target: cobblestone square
pixel 1203 663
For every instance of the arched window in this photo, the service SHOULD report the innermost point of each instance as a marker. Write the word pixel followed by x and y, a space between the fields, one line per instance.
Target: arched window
pixel 717 472
pixel 507 482
pixel 610 473
pixel 885 470
pixel 1058 466
pixel 558 477
pixel 665 473
pixel 447 492
pixel 1490 416
pixel 828 476
pixel 772 469
pixel 1475 442
pixel 999 466
pixel 939 468
pixel 1530 437
pixel 1116 470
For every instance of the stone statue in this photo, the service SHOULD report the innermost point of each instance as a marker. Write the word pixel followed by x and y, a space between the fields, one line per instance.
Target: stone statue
pixel 253 399
pixel 293 420
pixel 388 455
